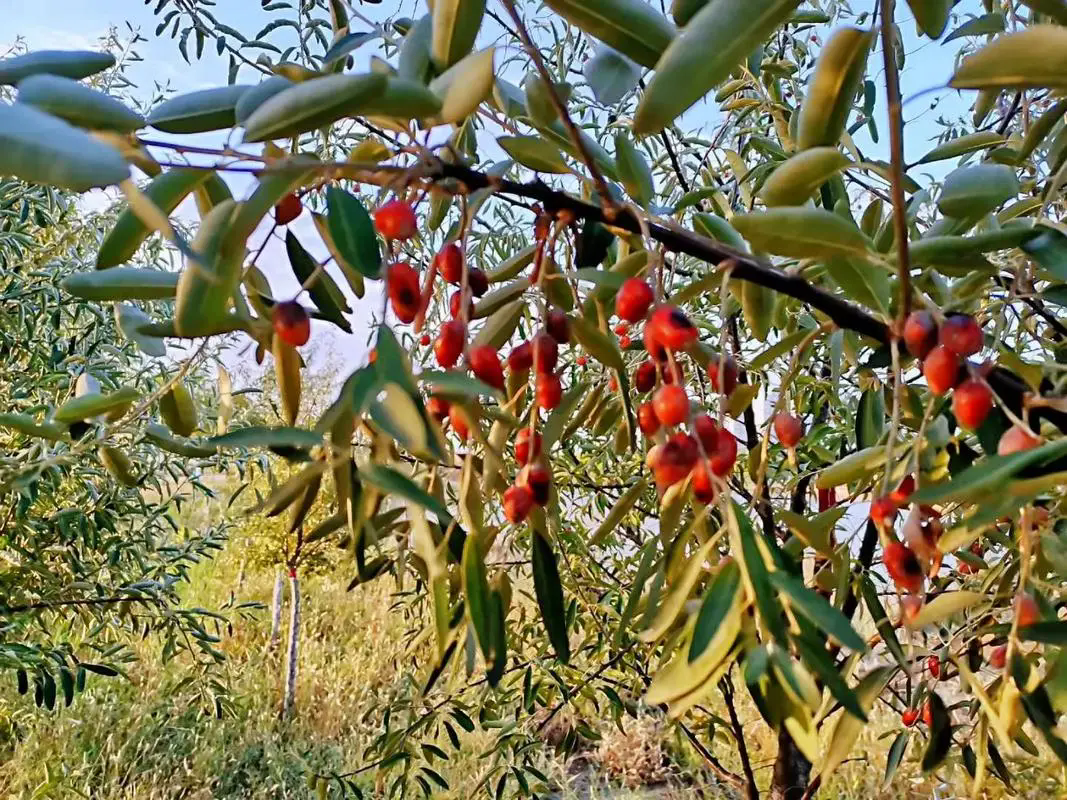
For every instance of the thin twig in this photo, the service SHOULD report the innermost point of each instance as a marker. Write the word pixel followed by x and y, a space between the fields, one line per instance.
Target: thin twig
pixel 726 686
pixel 896 155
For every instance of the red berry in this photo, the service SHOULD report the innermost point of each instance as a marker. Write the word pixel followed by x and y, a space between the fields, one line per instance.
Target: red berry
pixel 1026 610
pixel 449 263
pixel 941 368
pixel 729 374
pixel 1015 440
pixel 478 281
pixel 909 717
pixel 961 334
pixel 902 494
pixel 291 323
pixel 622 329
pixel 288 209
pixel 790 430
pixel 654 348
pixel 518 502
pixel 527 447
pixel 933 663
pixel 883 511
pixel 521 358
pixel 395 220
pixel 903 567
pixel 581 361
pixel 546 352
pixel 613 384
pixel 703 485
pixel 558 326
pixel 707 432
pixel 485 364
pixel 971 403
pixel 438 407
pixel 633 300
pixel 999 657
pixel 449 345
pixel 404 291
pixel 928 714
pixel 676 460
pixel 538 480
pixel 920 333
pixel 647 420
pixel 458 418
pixel 671 404
pixel 725 455
pixel 549 390
pixel 671 328
pixel 645 376
pixel 425 339
pixel 625 342
pixel 455 302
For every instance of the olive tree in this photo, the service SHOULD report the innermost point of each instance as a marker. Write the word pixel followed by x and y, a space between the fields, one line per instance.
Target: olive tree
pixel 724 343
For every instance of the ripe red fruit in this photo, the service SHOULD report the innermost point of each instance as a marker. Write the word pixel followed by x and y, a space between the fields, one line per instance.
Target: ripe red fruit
pixel 549 390
pixel 545 352
pixel 961 334
pixel 625 342
pixel 647 420
pixel 438 407
pixel 633 300
pixel 707 432
pixel 671 328
pixel 928 714
pixel 645 376
pixel 425 339
pixel 458 418
pixel 883 511
pixel 395 220
pixel 613 383
pixel 291 323
pixel 449 345
pixel 521 358
pixel 581 361
pixel 920 333
pixel 404 291
pixel 703 485
pixel 1015 440
pixel 933 663
pixel 941 368
pixel 527 446
pixel 910 606
pixel 909 717
pixel 621 329
pixel 455 303
pixel 449 263
pixel 288 209
pixel 728 381
pixel 518 502
pixel 790 430
pixel 903 567
pixel 558 326
pixel 1026 610
pixel 671 404
pixel 725 455
pixel 971 403
pixel 652 346
pixel 676 460
pixel 478 281
pixel 538 480
pixel 999 657
pixel 485 364
pixel 902 493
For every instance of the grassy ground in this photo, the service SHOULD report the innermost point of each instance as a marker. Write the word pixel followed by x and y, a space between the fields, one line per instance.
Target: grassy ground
pixel 148 738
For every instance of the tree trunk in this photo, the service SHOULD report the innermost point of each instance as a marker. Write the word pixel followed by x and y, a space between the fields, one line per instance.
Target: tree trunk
pixel 294 636
pixel 791 770
pixel 276 611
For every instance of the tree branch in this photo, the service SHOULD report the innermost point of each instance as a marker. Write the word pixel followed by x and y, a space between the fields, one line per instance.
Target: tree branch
pixel 726 686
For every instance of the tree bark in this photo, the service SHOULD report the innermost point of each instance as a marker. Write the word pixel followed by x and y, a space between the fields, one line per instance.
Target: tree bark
pixel 276 611
pixel 291 650
pixel 791 770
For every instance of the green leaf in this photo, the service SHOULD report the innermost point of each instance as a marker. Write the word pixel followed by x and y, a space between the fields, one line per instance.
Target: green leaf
pixel 797 179
pixel 264 436
pixel 313 104
pixel 681 588
pixel 122 283
pixel 881 619
pixel 847 728
pixel 817 609
pixel 78 104
pixel 715 227
pixel 347 44
pixel 972 191
pixel 896 755
pixel 129 319
pixel 1049 250
pixel 931 15
pixel 744 541
pixel 402 99
pixel 870 418
pixel 632 27
pixel 549 591
pixel 988 476
pixel 961 145
pixel 561 414
pixel 940 734
pixel 74 64
pixel 324 291
pixel 634 171
pixel 391 482
pixel 622 507
pixel 459 384
pixel 476 593
pixel 1048 632
pixel 413 61
pixel 352 232
pixel 716 40
pixel 944 606
pixel 464 86
pixel 833 87
pixel 801 233
pixel 455 27
pixel 40 148
pixel 199 112
pixel 601 346
pixel 534 152
pixel 721 596
pixel 27 425
pixel 1055 9
pixel 257 95
pixel 610 75
pixel 497 330
pixel 93 404
pixel 165 440
pixel 1032 58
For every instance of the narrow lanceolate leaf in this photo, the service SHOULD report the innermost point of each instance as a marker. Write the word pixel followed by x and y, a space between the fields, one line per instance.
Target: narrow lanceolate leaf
pixel 968 143
pixel 464 86
pixel 455 27
pixel 931 15
pixel 632 27
pixel 817 609
pixel 795 180
pixel 944 606
pixel 978 26
pixel 870 418
pixel 394 483
pixel 413 62
pixel 402 100
pixel 25 424
pixel 833 86
pixel 601 346
pixel 561 415
pixel 476 592
pixel 716 40
pixel 263 436
pixel 969 192
pixel 78 104
pixel 74 64
pixel 679 593
pixel 534 152
pixel 1032 58
pixel 165 440
pixel 722 595
pixel 208 281
pixel 1054 9
pixel 1040 128
pixel 178 409
pixel 40 148
pixel 166 192
pixel 549 591
pixel 324 291
pixel 352 232
pixel 93 404
pixel 847 729
pixel 801 233
pixel 257 95
pixel 634 171
pixel 622 507
pixel 861 281
pixel 313 104
pixel 197 112
pixel 122 283
pixel 610 75
pixel 287 372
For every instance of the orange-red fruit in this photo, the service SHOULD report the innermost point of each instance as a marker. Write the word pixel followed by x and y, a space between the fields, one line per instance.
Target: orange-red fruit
pixel 518 502
pixel 676 460
pixel 647 420
pixel 549 390
pixel 425 339
pixel 728 381
pixel 485 364
pixel 725 455
pixel 1015 440
pixel 652 345
pixel 625 342
pixel 538 480
pixel 941 368
pixel 920 333
pixel 404 291
pixel 545 352
pixel 449 263
pixel 909 717
pixel 395 220
pixel 455 304
pixel 527 446
pixel 521 358
pixel 449 345
pixel 558 326
pixel 671 328
pixel 581 361
pixel 478 281
pixel 645 376
pixel 458 419
pixel 971 403
pixel 633 300
pixel 707 432
pixel 622 329
pixel 703 485
pixel 999 657
pixel 903 567
pixel 613 383
pixel 883 511
pixel 933 663
pixel 790 430
pixel 1026 610
pixel 961 334
pixel 902 494
pixel 288 209
pixel 928 714
pixel 291 323
pixel 438 407
pixel 671 404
